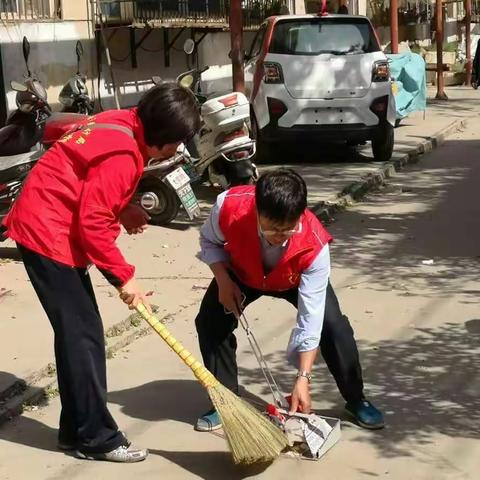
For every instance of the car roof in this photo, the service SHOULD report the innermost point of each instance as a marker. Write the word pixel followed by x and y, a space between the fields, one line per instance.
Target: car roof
pixel 276 18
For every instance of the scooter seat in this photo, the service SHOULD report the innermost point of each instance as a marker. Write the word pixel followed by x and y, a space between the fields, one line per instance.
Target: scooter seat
pixel 59 124
pixel 16 160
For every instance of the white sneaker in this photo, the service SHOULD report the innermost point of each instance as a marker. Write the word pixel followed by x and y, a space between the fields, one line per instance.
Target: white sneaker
pixel 122 454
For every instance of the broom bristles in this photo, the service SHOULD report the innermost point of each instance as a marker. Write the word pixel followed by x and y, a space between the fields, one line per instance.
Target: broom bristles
pixel 251 436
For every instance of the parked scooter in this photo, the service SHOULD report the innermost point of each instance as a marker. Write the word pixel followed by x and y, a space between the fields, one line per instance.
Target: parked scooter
pixel 223 150
pixel 24 127
pixel 74 95
pixel 163 187
pixel 20 137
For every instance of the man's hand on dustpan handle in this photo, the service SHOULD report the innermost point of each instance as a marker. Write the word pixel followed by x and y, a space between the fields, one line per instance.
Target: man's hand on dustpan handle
pixel 231 297
pixel 300 400
pixel 132 294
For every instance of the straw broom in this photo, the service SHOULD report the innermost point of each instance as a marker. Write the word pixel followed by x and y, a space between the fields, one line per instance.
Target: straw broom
pixel 251 436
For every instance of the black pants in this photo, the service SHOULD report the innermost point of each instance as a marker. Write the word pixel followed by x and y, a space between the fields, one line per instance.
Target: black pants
pixel 67 296
pixel 219 345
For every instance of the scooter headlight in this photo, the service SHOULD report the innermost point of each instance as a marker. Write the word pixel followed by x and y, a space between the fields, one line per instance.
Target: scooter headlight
pixel 187 81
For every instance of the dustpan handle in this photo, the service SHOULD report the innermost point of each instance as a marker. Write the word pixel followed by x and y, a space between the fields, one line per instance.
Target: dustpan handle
pixel 277 395
pixel 204 376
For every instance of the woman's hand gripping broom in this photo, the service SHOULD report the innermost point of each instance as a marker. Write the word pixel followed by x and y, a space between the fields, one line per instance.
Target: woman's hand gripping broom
pixel 251 436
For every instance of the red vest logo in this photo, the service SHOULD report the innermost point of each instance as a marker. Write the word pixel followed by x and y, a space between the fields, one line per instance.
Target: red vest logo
pixel 293 278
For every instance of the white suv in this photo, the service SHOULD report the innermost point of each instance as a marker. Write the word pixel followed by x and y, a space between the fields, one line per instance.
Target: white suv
pixel 320 77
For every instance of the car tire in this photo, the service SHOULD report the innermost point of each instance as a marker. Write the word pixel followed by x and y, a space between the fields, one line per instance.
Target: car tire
pixel 159 200
pixel 266 152
pixel 382 144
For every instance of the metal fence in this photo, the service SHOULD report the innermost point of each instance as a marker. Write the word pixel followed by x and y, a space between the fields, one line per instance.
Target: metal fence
pixel 29 10
pixel 196 13
pixel 419 11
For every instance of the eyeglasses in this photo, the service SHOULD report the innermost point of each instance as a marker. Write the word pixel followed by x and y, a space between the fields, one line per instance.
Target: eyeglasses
pixel 284 233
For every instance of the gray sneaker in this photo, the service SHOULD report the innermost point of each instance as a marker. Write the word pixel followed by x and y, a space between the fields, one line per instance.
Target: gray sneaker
pixel 122 454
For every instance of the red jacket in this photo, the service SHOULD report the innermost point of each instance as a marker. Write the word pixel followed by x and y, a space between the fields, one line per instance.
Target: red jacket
pixel 239 224
pixel 69 206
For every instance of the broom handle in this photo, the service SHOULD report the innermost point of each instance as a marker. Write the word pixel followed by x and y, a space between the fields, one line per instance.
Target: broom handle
pixel 204 376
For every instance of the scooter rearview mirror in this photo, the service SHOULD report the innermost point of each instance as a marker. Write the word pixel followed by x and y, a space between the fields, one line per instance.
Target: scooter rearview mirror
pixel 189 46
pixel 18 87
pixel 79 51
pixel 26 53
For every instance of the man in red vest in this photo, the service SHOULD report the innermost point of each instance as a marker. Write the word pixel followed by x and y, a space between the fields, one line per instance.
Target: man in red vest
pixel 68 217
pixel 262 240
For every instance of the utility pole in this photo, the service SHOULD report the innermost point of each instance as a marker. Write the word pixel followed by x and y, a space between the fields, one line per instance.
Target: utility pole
pixel 394 25
pixel 237 53
pixel 441 95
pixel 468 41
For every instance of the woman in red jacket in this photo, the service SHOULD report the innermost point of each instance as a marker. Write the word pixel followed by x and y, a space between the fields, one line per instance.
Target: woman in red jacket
pixel 68 217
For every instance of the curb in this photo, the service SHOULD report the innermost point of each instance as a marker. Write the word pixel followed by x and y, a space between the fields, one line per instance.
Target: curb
pixel 326 210
pixel 42 385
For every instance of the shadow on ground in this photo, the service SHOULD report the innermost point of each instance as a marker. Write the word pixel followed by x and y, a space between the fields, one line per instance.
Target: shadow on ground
pixel 427 385
pixel 167 400
pixel 10 253
pixel 419 235
pixel 22 430
pixel 211 465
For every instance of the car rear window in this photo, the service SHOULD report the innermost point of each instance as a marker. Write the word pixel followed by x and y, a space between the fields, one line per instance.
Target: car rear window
pixel 315 36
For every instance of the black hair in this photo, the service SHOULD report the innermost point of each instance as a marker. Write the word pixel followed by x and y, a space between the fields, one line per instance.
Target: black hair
pixel 169 114
pixel 281 195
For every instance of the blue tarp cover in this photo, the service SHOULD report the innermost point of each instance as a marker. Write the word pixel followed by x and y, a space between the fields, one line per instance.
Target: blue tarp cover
pixel 410 88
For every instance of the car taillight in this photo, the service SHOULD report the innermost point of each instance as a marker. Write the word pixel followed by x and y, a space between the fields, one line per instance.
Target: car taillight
pixel 229 101
pixel 381 72
pixel 272 73
pixel 276 108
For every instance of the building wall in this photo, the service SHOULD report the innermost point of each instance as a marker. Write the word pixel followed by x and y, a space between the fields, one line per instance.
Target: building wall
pixel 53 58
pixel 75 10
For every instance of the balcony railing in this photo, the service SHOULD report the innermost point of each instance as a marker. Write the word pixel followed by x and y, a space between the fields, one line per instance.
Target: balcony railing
pixel 195 13
pixel 30 10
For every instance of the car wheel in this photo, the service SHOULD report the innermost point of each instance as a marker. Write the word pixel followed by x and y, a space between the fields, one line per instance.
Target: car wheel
pixel 159 200
pixel 382 144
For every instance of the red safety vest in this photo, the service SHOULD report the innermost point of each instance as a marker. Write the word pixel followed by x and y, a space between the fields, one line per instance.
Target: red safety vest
pixel 239 225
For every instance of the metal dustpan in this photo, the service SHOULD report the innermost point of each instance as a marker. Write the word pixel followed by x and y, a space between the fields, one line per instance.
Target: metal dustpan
pixel 310 436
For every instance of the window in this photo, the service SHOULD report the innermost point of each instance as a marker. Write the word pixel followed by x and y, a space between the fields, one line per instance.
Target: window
pixel 323 35
pixel 111 10
pixel 8 6
pixel 29 9
pixel 257 43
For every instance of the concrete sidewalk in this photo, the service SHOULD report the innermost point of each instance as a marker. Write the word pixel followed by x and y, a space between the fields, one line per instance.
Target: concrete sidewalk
pixel 416 324
pixel 165 256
